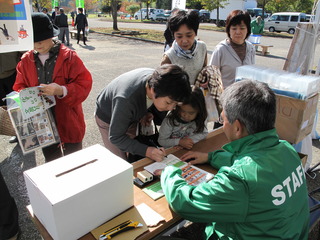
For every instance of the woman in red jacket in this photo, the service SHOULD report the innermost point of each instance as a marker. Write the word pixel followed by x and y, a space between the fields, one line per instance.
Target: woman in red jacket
pixel 62 74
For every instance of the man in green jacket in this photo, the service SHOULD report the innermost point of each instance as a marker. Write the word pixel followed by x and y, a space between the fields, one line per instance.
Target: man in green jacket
pixel 257 26
pixel 260 190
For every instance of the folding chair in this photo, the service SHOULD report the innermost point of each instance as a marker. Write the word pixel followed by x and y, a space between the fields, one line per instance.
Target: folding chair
pixel 314 206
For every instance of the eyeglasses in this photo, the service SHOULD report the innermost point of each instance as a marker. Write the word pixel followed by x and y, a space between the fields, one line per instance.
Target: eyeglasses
pixel 220 120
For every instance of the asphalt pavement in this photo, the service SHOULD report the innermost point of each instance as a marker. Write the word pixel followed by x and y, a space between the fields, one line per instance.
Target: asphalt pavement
pixel 106 57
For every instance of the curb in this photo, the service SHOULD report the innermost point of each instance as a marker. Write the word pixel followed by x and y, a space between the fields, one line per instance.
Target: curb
pixel 133 38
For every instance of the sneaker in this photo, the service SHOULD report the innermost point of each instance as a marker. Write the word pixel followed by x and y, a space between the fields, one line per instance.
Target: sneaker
pixel 13 139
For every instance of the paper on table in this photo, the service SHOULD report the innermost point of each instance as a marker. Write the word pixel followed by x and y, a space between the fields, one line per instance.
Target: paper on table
pixel 151 217
pixel 131 214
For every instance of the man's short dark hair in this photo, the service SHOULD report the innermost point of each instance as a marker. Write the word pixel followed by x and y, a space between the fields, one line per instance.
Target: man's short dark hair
pixel 80 10
pixel 191 19
pixel 169 80
pixel 235 17
pixel 252 103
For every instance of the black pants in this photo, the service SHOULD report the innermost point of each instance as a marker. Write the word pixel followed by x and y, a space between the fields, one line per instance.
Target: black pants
pixel 53 152
pixel 6 85
pixel 83 32
pixel 9 225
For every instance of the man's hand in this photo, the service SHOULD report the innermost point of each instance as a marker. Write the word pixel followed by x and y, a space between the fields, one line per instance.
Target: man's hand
pixel 51 89
pixel 146 119
pixel 186 143
pixel 199 157
pixel 156 154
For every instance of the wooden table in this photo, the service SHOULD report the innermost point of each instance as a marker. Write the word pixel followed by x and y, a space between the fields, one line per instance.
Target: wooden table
pixel 214 141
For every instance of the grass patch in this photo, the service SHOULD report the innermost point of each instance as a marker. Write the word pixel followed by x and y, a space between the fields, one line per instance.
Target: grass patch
pixel 147 33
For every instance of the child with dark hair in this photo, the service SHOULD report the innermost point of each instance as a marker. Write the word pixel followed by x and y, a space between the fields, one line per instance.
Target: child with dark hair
pixel 186 124
pixel 186 51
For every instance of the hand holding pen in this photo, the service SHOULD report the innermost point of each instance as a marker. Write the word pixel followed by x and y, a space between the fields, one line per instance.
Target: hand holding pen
pixel 155 152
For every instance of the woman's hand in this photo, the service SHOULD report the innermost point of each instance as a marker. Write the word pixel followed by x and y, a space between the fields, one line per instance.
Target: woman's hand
pixel 156 154
pixel 197 157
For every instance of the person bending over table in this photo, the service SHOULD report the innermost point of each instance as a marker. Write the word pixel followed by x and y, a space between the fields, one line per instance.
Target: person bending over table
pixel 260 189
pixel 125 102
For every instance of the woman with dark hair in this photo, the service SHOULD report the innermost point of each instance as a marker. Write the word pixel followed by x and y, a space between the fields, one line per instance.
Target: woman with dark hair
pixel 234 51
pixel 186 51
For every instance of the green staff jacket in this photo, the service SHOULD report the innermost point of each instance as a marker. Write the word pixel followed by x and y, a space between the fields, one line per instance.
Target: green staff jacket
pixel 259 192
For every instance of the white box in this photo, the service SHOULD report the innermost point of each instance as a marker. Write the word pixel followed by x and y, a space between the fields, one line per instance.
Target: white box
pixel 77 193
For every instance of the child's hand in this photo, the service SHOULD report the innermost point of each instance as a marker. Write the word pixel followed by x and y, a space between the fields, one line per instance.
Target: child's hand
pixel 186 143
pixel 51 89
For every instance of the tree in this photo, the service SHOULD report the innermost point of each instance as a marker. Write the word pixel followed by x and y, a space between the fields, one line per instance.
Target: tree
pixel 132 8
pixel 39 4
pixel 289 5
pixel 215 4
pixel 194 4
pixel 148 3
pixel 163 4
pixel 115 6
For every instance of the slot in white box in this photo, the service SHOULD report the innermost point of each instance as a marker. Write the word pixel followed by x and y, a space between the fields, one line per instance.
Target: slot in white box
pixel 77 193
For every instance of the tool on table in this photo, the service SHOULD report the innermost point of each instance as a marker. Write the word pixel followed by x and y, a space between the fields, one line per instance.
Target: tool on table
pixel 122 227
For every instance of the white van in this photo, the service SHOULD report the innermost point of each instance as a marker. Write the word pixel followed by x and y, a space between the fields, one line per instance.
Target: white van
pixel 284 21
pixel 142 12
pixel 156 14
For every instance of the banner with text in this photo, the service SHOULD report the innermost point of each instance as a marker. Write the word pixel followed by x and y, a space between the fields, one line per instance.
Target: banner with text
pixel 181 4
pixel 16 32
pixel 80 3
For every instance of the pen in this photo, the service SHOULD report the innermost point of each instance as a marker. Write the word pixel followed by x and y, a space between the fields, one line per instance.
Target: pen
pixel 155 145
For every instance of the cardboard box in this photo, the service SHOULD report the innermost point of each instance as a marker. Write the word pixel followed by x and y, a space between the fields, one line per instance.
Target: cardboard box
pixel 295 117
pixel 77 193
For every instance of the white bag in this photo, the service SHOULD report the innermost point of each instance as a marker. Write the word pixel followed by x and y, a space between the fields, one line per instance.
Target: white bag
pixel 213 115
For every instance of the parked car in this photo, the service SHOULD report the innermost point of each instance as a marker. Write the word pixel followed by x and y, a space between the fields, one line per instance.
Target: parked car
pixel 284 21
pixel 142 12
pixel 156 14
pixel 204 15
pixel 255 12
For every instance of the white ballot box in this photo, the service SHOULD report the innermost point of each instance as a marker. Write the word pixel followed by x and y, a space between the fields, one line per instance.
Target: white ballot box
pixel 76 193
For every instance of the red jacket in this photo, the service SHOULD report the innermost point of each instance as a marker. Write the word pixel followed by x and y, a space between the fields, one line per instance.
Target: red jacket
pixel 70 72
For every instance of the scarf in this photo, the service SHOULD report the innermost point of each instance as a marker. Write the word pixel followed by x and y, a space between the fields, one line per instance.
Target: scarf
pixel 188 54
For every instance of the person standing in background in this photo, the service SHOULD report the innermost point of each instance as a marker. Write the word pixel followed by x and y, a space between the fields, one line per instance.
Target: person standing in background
pixel 8 64
pixel 45 11
pixel 81 23
pixel 186 50
pixel 60 73
pixel 62 22
pixel 235 51
pixel 257 26
pixel 55 13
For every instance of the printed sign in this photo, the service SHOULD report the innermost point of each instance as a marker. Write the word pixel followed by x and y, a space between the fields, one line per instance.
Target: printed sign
pixel 16 32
